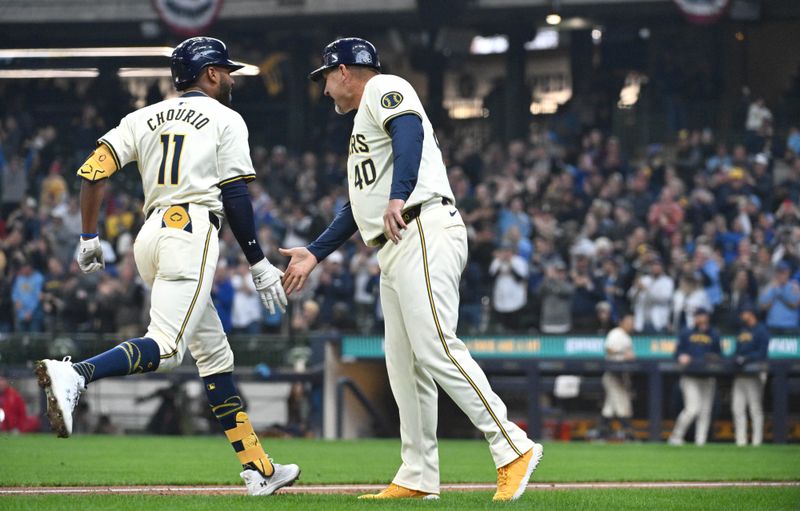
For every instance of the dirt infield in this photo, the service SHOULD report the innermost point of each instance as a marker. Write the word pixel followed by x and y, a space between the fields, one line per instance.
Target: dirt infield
pixel 366 488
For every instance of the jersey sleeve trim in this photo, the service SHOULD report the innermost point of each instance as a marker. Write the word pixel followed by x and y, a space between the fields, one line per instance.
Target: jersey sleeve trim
pixel 247 179
pixel 395 116
pixel 113 152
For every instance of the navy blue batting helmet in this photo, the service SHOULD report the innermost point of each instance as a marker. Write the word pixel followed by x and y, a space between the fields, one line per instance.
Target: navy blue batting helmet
pixel 191 56
pixel 350 51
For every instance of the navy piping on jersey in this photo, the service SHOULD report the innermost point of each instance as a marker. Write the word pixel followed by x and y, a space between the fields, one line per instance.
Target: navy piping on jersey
pixel 194 94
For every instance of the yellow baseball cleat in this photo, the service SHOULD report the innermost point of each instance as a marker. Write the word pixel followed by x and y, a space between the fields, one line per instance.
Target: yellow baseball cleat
pixel 512 479
pixel 395 491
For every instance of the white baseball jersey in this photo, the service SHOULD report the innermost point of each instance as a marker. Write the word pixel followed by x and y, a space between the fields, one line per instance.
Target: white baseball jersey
pixel 185 147
pixel 617 343
pixel 371 161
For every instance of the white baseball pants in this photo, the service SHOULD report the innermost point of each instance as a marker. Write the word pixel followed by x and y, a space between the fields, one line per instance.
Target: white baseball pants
pixel 179 267
pixel 419 295
pixel 618 397
pixel 748 392
pixel 698 399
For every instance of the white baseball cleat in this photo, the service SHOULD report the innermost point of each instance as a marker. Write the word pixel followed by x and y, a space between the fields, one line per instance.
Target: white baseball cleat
pixel 63 386
pixel 674 441
pixel 282 476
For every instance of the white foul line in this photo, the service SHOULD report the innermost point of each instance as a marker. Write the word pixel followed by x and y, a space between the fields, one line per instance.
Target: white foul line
pixel 358 488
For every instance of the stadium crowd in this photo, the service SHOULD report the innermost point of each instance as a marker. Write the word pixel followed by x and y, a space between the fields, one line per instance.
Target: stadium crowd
pixel 567 231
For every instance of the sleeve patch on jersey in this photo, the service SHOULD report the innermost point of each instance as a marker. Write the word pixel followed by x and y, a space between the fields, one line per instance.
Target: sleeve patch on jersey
pixel 100 165
pixel 391 100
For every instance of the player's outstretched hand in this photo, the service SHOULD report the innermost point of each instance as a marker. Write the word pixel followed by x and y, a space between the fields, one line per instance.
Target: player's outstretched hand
pixel 90 255
pixel 393 220
pixel 301 264
pixel 267 279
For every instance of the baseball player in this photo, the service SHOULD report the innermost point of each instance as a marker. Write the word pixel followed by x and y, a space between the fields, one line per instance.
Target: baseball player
pixel 194 161
pixel 748 389
pixel 696 345
pixel 617 385
pixel 402 204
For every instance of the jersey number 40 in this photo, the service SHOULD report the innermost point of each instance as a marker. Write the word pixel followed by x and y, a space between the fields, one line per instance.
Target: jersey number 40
pixel 364 174
pixel 177 148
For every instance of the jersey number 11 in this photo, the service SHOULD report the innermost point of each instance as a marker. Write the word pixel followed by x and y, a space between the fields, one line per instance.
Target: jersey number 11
pixel 177 143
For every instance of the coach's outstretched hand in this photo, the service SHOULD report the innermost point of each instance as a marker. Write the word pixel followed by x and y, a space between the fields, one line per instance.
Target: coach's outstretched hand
pixel 267 279
pixel 300 266
pixel 90 255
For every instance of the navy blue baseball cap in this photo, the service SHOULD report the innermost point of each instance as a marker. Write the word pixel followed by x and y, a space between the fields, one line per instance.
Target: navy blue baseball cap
pixel 350 51
pixel 701 310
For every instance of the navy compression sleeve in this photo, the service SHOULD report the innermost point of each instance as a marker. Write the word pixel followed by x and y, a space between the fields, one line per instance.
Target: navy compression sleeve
pixel 239 213
pixel 340 230
pixel 407 137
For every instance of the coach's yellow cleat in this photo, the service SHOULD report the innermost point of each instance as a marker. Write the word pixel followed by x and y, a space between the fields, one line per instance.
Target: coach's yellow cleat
pixel 395 491
pixel 512 479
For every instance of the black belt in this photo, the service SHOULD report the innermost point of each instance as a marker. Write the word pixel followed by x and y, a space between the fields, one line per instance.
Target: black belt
pixel 214 219
pixel 408 215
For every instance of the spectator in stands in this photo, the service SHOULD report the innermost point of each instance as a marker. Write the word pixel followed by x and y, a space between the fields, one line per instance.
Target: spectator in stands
pixel 246 313
pixel 752 344
pixel 743 293
pixel 510 290
pixel 514 215
pixel 51 294
pixel 6 302
pixel 335 292
pixel 14 185
pixel 617 384
pixel 689 297
pixel 651 294
pixel 695 347
pixel 588 292
pixel 666 215
pixel 556 292
pixel 305 317
pixel 129 313
pixel 363 267
pixel 706 263
pixel 780 300
pixel 222 294
pixel 757 114
pixel 13 412
pixel 602 321
pixel 26 293
pixel 613 287
pixel 471 292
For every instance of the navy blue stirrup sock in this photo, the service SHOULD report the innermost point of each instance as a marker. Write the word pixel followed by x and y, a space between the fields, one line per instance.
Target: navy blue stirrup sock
pixel 227 406
pixel 223 396
pixel 139 355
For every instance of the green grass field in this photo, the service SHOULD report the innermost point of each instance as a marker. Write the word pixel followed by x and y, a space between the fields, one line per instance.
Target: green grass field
pixel 745 499
pixel 100 460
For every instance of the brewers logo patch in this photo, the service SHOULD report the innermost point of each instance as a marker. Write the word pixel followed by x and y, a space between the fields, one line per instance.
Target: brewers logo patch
pixel 178 218
pixel 391 100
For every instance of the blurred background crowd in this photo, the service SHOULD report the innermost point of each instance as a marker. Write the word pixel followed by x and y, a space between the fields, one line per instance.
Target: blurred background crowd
pixel 567 230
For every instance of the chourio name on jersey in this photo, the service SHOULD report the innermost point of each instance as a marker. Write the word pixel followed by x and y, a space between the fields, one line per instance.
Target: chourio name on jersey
pixel 186 115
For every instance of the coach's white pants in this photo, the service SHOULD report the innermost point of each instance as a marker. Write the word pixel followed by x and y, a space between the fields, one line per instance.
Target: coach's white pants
pixel 419 296
pixel 698 399
pixel 179 267
pixel 748 392
pixel 618 397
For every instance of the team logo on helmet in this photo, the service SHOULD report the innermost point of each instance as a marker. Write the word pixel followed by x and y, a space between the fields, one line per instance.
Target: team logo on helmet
pixel 364 57
pixel 391 99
